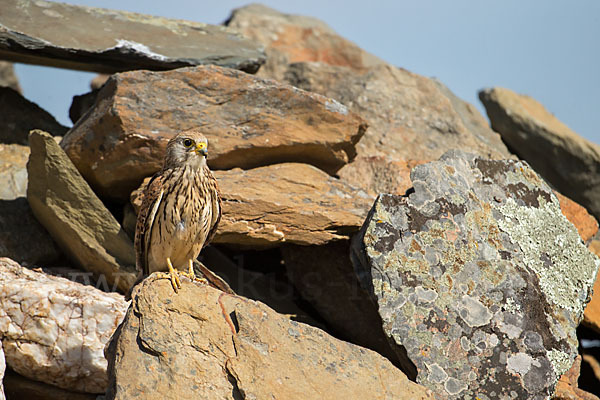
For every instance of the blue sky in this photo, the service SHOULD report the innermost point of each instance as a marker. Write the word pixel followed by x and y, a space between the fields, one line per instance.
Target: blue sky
pixel 549 50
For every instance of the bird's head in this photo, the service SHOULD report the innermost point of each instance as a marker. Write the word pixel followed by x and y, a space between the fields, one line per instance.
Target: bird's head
pixel 187 148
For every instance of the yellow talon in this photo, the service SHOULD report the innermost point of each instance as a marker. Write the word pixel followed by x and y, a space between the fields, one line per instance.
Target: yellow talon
pixel 172 275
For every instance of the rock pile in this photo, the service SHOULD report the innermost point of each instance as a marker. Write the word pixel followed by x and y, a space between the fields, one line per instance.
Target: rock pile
pixel 366 257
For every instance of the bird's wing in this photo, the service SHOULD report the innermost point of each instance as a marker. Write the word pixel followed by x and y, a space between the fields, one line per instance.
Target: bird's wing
pixel 216 211
pixel 153 195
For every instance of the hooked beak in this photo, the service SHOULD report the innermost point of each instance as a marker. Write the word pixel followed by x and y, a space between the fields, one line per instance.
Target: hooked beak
pixel 202 150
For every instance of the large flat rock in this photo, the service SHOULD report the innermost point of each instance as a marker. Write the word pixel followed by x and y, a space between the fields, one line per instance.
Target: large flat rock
pixel 566 160
pixel 96 39
pixel 293 38
pixel 249 122
pixel 77 220
pixel 54 330
pixel 479 276
pixel 203 343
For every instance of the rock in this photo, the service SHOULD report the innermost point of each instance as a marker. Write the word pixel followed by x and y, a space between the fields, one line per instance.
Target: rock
pixel 76 219
pixel 203 343
pixel 22 237
pixel 379 174
pixel 98 81
pixel 2 372
pixel 18 116
pixel 263 287
pixel 19 387
pixel 324 277
pixel 479 276
pixel 101 40
pixel 567 389
pixel 591 315
pixel 586 225
pixel 292 203
pixel 248 121
pixel 591 367
pixel 293 38
pixel 81 104
pixel 13 171
pixel 567 161
pixel 54 330
pixel 8 77
pixel 409 117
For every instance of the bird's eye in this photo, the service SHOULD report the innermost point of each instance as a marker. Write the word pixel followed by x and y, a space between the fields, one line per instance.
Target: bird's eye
pixel 188 142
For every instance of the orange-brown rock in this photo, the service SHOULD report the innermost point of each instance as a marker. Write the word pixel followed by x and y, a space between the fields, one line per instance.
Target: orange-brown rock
pixel 409 116
pixel 591 314
pixel 293 38
pixel 285 203
pixel 203 343
pixel 567 161
pixel 249 122
pixel 379 174
pixel 566 388
pixel 586 225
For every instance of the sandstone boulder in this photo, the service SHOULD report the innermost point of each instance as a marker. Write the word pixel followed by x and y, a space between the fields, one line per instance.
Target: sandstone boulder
pixel 294 38
pixel 54 330
pixel 479 276
pixel 409 116
pixel 248 121
pixel 101 40
pixel 76 219
pixel 202 343
pixel 18 116
pixel 566 160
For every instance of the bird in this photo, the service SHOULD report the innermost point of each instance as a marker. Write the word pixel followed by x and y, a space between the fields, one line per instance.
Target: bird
pixel 180 211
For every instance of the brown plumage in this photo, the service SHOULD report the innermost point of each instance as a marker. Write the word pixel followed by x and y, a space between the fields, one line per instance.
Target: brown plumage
pixel 180 210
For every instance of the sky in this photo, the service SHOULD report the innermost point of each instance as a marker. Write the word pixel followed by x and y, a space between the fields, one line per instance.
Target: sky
pixel 549 50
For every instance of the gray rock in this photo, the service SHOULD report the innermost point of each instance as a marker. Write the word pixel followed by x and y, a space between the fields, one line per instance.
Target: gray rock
pixel 101 40
pixel 77 220
pixel 18 116
pixel 479 276
pixel 22 237
pixel 566 160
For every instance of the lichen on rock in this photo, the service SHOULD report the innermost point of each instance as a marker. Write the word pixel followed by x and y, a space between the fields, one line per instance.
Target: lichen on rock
pixel 479 276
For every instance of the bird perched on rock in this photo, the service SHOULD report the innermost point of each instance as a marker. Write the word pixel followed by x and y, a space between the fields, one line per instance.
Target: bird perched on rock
pixel 180 210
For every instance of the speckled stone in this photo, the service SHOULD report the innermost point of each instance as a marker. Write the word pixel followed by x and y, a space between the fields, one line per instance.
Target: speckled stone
pixel 479 276
pixel 54 330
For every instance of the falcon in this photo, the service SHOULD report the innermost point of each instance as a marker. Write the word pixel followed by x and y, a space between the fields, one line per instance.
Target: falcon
pixel 180 211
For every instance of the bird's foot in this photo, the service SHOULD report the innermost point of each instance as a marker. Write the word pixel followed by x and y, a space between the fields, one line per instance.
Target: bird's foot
pixel 172 275
pixel 192 275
